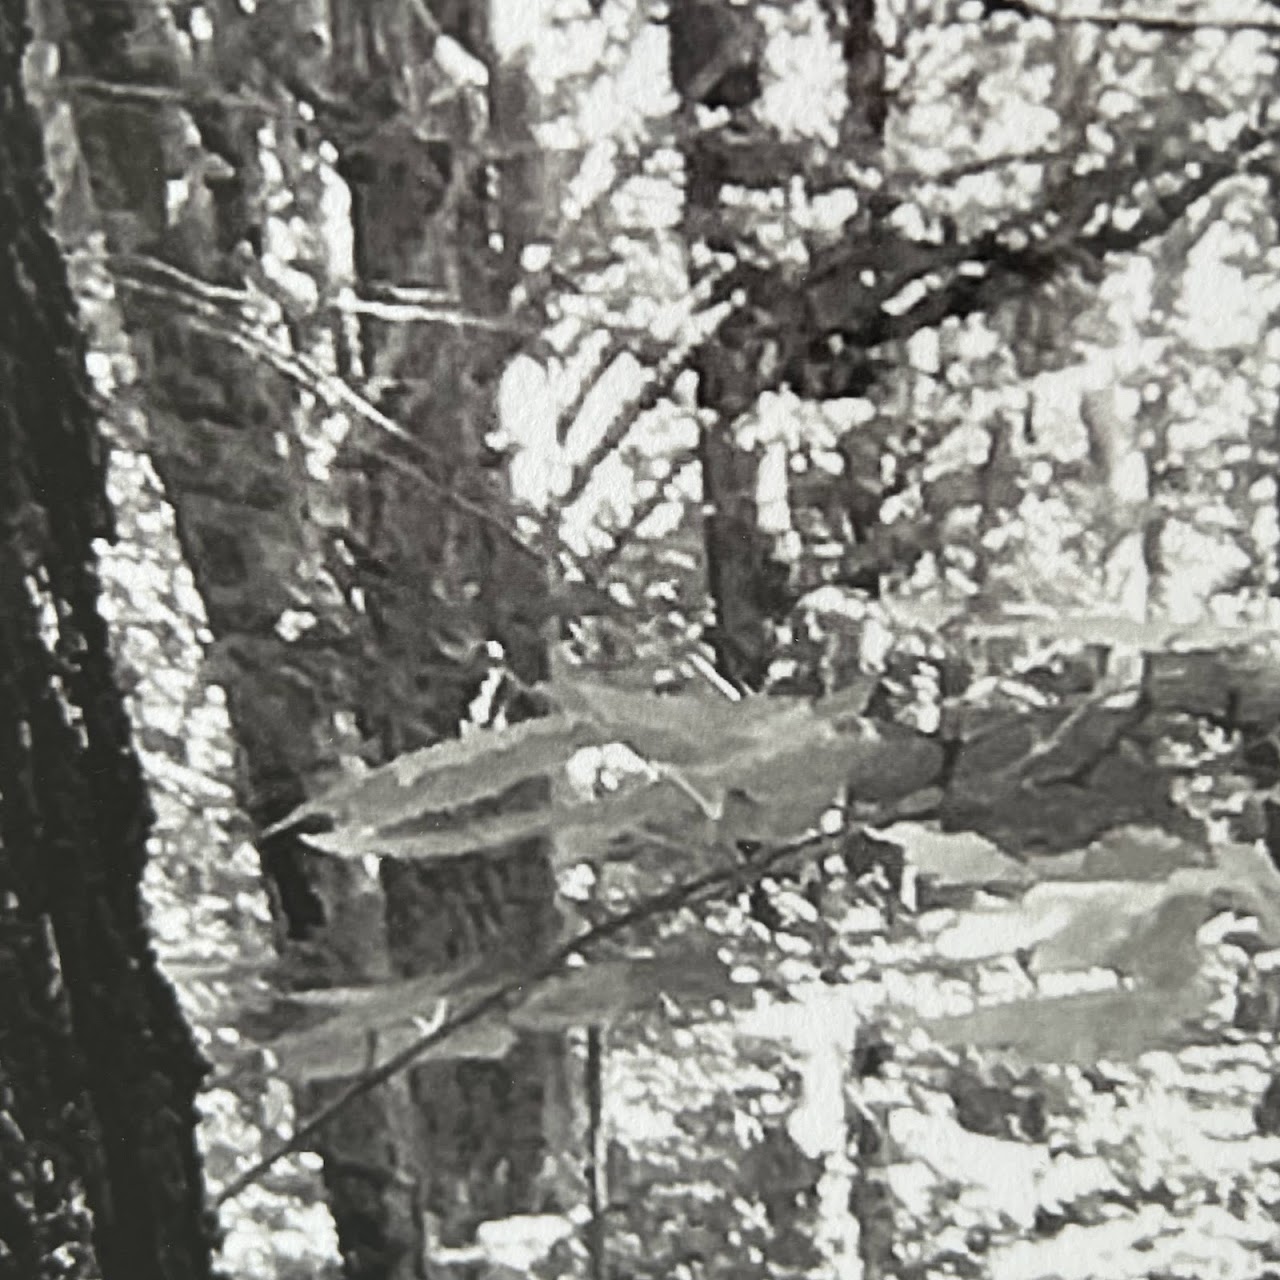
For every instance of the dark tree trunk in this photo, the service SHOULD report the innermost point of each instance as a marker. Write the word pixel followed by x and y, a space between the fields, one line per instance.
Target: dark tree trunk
pixel 715 62
pixel 98 1073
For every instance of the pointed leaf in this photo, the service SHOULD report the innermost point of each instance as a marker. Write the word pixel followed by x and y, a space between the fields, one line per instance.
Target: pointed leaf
pixel 958 858
pixel 436 836
pixel 449 775
pixel 337 1049
pixel 680 729
pixel 1084 1029
pixel 379 1005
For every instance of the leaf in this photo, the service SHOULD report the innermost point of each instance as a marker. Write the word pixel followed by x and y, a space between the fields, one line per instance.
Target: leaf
pixel 337 1049
pixel 1248 878
pixel 957 858
pixel 1060 817
pixel 1133 927
pixel 1162 950
pixel 380 1005
pixel 1137 853
pixel 1084 1029
pixel 437 836
pixel 680 729
pixel 797 771
pixel 788 757
pixel 448 775
pixel 601 992
pixel 889 761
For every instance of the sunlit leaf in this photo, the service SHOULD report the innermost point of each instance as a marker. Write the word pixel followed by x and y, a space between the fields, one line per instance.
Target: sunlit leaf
pixel 1119 1025
pixel 958 858
pixel 448 775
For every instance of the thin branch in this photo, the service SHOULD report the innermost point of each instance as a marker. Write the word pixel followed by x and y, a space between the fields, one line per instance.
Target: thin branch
pixel 1168 23
pixel 172 95
pixel 428 19
pixel 333 391
pixel 417 313
pixel 909 178
pixel 389 291
pixel 1002 269
pixel 401 305
pixel 617 346
pixel 620 428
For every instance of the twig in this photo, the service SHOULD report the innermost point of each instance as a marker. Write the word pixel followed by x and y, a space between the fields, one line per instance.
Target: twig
pixel 662 493
pixel 1170 23
pixel 333 391
pixel 401 305
pixel 168 95
pixel 616 346
pixel 1058 735
pixel 910 178
pixel 417 313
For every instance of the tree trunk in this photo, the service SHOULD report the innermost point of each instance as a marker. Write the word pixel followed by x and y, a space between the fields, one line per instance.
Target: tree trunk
pixel 98 1072
pixel 229 440
pixel 444 575
pixel 715 62
pixel 428 574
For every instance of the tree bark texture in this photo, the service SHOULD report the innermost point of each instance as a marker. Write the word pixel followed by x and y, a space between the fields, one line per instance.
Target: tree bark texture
pixel 716 52
pixel 263 538
pixel 438 215
pixel 98 1072
pixel 227 436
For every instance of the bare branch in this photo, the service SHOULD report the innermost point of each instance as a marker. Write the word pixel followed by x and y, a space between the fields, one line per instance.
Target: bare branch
pixel 1174 24
pixel 622 538
pixel 214 322
pixel 662 384
pixel 906 178
pixel 418 313
pixel 1003 270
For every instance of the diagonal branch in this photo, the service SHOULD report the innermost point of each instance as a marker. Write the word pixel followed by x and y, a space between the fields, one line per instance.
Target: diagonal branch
pixel 661 385
pixel 1073 224
pixel 1003 269
pixel 622 538
pixel 1174 24
pixel 207 318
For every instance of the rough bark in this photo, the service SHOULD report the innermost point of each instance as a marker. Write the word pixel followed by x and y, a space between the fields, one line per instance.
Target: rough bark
pixel 246 514
pixel 442 569
pixel 431 575
pixel 97 1069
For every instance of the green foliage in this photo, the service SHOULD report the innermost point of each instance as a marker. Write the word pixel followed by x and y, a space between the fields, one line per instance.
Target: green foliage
pixel 767 768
